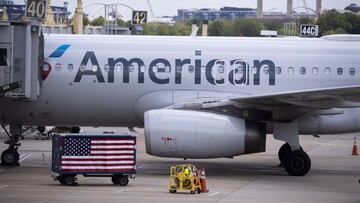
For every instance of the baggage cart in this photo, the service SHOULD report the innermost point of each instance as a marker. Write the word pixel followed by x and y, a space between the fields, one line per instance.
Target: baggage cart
pixel 93 155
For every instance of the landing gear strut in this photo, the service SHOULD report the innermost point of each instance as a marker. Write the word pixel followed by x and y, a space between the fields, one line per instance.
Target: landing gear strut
pixel 291 155
pixel 11 155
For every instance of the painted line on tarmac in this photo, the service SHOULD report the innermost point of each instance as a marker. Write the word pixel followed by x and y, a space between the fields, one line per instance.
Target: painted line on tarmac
pixel 212 194
pixel 24 156
pixel 3 186
pixel 124 190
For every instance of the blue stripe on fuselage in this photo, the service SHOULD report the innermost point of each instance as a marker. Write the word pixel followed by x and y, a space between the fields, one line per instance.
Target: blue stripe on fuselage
pixel 59 51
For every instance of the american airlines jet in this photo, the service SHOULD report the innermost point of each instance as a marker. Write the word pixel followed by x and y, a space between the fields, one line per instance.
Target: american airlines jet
pixel 198 97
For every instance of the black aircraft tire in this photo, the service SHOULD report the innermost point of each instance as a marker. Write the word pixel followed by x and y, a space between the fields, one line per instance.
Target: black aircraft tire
pixel 10 157
pixel 284 149
pixel 297 163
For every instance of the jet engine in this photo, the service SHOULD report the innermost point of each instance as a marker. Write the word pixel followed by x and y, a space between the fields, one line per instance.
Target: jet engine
pixel 198 135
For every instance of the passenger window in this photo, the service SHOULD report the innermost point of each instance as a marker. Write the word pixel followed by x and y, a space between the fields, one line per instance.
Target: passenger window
pixel 315 70
pixel 203 69
pixel 82 68
pixel 340 71
pixel 178 69
pixel 278 70
pixel 291 70
pixel 191 69
pixel 266 70
pixel 94 68
pixel 167 69
pixel 70 67
pixel 221 69
pixel 131 68
pixel 106 68
pixel 327 71
pixel 254 70
pixel 143 69
pixel 58 67
pixel 352 71
pixel 302 70
pixel 119 67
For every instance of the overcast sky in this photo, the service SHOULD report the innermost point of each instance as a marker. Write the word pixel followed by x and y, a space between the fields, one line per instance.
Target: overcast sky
pixel 169 7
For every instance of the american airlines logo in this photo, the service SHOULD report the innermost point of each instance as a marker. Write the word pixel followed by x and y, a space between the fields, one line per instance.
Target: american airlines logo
pixel 216 71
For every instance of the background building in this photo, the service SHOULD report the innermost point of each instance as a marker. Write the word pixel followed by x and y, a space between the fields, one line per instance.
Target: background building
pixel 229 13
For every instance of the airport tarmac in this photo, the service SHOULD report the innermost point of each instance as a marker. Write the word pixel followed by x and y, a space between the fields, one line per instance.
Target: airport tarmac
pixel 250 178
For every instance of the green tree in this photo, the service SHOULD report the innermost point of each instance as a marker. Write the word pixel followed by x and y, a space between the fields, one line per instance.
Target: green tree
pixel 333 20
pixel 99 21
pixel 247 27
pixel 86 20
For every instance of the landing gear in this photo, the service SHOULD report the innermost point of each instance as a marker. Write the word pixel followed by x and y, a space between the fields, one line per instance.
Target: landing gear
pixel 291 155
pixel 297 163
pixel 284 149
pixel 11 155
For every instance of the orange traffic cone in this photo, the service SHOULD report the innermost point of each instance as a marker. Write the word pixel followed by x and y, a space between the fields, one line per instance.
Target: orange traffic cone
pixel 354 149
pixel 203 180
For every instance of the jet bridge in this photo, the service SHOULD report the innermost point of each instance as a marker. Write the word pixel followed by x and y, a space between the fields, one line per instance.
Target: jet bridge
pixel 21 58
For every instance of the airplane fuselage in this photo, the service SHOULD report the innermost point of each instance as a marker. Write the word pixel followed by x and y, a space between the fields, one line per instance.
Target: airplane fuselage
pixel 113 80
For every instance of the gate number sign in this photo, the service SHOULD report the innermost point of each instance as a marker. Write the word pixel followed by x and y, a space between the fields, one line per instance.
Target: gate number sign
pixel 309 30
pixel 139 17
pixel 36 9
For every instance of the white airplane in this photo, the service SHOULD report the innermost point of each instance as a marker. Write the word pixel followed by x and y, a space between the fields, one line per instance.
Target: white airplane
pixel 198 97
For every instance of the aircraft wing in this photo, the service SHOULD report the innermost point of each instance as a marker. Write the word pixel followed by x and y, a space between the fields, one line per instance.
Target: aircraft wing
pixel 286 105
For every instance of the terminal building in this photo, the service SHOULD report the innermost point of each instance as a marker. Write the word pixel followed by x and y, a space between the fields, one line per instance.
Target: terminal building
pixel 226 13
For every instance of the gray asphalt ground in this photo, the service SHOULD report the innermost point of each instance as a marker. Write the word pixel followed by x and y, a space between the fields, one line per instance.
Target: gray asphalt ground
pixel 334 177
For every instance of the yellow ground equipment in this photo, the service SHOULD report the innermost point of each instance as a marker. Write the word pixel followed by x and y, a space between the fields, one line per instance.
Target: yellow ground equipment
pixel 184 177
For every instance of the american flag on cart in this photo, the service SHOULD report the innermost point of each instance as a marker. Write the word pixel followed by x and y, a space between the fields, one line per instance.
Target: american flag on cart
pixel 94 154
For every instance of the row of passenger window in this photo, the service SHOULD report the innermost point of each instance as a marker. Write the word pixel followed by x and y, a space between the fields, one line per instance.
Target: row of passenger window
pixel 221 69
pixel 314 70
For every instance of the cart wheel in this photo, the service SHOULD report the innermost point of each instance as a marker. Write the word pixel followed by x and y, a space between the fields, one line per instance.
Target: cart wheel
pixel 120 180
pixel 192 191
pixel 172 191
pixel 198 191
pixel 67 180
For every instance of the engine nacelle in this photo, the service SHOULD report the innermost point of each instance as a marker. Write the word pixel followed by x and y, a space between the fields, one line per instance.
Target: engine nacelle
pixel 198 135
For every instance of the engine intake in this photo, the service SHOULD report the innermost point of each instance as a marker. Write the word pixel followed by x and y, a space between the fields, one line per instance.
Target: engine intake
pixel 197 135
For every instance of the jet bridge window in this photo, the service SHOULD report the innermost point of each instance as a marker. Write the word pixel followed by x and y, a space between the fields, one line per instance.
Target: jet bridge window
pixel 302 70
pixel 352 71
pixel 340 71
pixel 3 57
